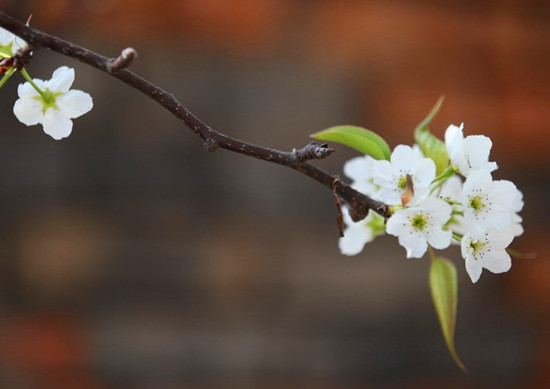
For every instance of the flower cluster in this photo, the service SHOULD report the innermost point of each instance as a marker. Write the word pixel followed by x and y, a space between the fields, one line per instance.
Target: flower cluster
pixel 51 103
pixel 479 213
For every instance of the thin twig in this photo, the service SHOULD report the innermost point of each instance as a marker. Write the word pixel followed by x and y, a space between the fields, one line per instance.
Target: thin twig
pixel 358 203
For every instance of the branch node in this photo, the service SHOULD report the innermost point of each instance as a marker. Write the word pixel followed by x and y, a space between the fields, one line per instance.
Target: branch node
pixel 211 145
pixel 20 59
pixel 312 151
pixel 125 59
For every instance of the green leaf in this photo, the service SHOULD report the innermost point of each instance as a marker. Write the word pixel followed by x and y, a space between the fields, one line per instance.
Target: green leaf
pixel 431 146
pixel 443 286
pixel 358 138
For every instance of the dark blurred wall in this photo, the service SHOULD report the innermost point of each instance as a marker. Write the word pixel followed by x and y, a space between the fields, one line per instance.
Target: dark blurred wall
pixel 131 258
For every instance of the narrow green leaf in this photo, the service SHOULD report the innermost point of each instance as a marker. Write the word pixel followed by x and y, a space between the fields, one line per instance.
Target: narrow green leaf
pixel 443 285
pixel 431 146
pixel 358 138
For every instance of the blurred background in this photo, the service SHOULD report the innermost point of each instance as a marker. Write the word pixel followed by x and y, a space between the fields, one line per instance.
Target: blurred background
pixel 131 258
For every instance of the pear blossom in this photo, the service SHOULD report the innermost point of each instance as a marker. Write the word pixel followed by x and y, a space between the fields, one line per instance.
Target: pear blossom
pixel 488 203
pixel 486 249
pixel 392 176
pixel 418 226
pixel 358 234
pixel 361 171
pixel 55 106
pixel 468 154
pixel 9 43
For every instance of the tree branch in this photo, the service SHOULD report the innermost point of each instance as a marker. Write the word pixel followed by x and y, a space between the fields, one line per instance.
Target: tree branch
pixel 358 203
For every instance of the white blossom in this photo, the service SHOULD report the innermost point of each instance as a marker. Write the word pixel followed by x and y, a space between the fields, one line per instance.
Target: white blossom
pixel 9 43
pixel 488 203
pixel 55 108
pixel 418 226
pixel 357 234
pixel 468 154
pixel 392 176
pixel 360 170
pixel 486 249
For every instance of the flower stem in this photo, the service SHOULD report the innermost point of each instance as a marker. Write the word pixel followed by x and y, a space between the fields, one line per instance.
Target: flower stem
pixel 431 252
pixel 30 80
pixel 457 236
pixel 452 202
pixel 6 77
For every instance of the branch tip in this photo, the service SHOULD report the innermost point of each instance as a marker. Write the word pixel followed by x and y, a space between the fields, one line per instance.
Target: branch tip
pixel 313 151
pixel 125 59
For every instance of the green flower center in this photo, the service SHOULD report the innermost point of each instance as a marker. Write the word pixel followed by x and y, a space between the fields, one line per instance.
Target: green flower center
pixel 476 203
pixel 48 99
pixel 402 183
pixel 419 222
pixel 476 246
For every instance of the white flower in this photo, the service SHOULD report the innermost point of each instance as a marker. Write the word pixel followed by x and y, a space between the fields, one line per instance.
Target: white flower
pixel 418 226
pixel 488 203
pixel 486 249
pixel 9 43
pixel 56 107
pixel 392 176
pixel 470 153
pixel 360 170
pixel 358 234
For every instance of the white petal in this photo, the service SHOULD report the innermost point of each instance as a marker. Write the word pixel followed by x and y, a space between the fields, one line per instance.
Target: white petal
pixel 354 240
pixel 452 134
pixel 390 196
pixel 405 158
pixel 477 149
pixel 498 220
pixel 504 194
pixel 452 189
pixel 28 111
pixel 358 168
pixel 478 180
pixel 517 229
pixel 5 37
pixel 425 173
pixel 397 223
pixel 473 268
pixel 56 124
pixel 415 244
pixel 383 173
pixel 499 240
pixel 62 79
pixel 26 90
pixel 497 261
pixel 75 103
pixel 438 238
pixel 438 209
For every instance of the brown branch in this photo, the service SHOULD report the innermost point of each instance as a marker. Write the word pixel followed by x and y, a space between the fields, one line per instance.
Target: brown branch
pixel 358 203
